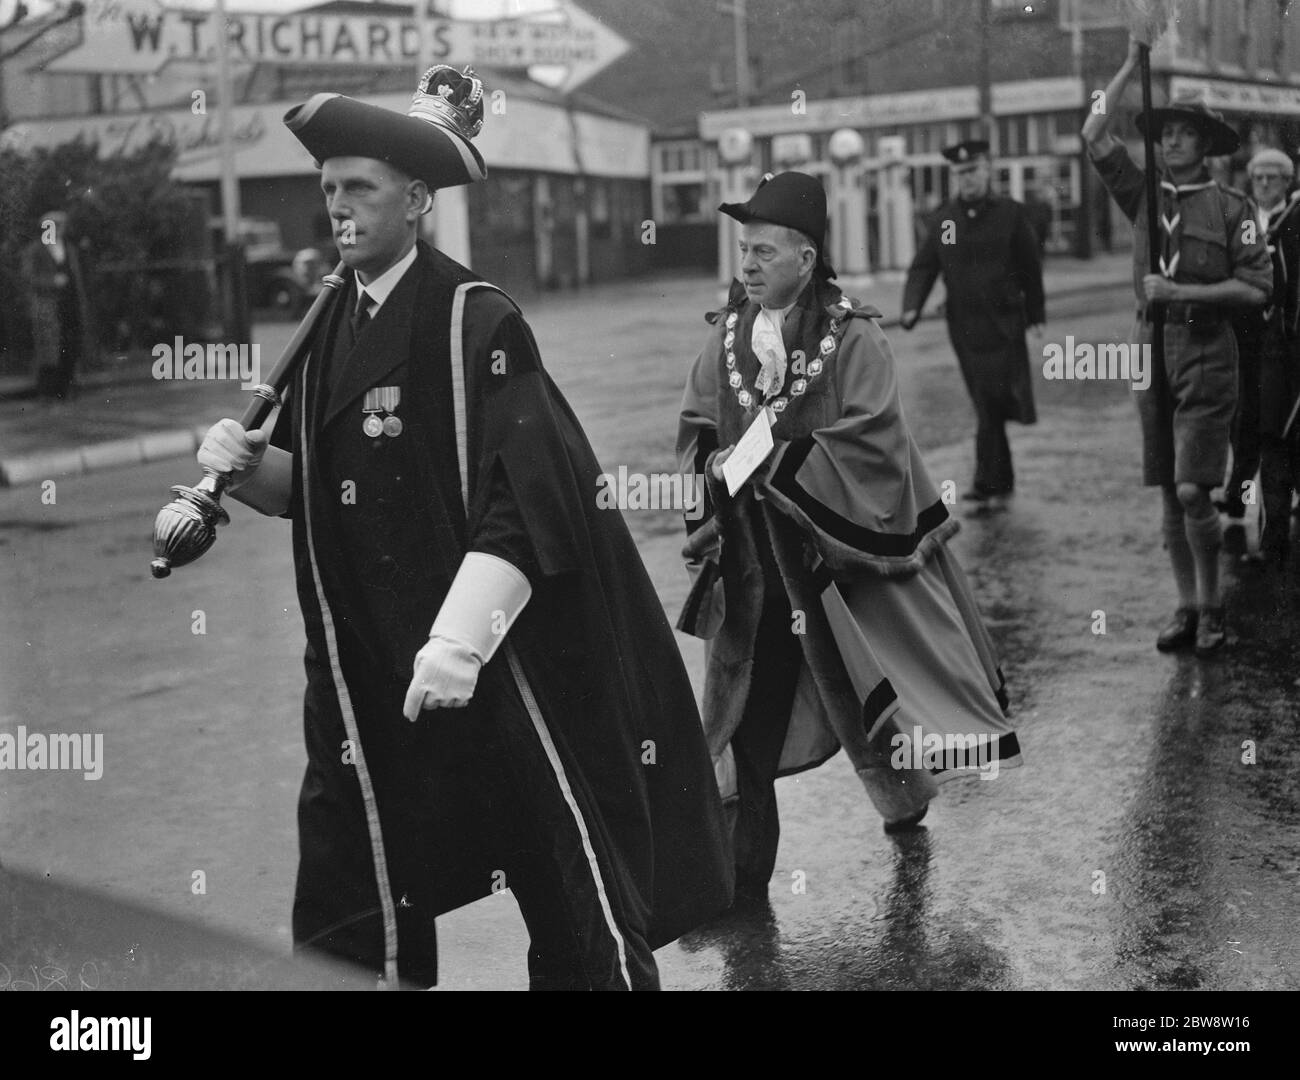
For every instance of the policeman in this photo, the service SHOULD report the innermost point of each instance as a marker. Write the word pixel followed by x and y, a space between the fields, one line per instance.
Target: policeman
pixel 985 247
pixel 1213 262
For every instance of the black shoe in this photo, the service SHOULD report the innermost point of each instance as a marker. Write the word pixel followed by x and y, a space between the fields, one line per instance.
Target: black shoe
pixel 1180 631
pixel 1210 631
pixel 975 495
pixel 907 824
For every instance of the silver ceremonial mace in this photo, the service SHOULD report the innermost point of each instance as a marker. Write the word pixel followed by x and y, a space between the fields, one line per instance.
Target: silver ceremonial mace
pixel 187 526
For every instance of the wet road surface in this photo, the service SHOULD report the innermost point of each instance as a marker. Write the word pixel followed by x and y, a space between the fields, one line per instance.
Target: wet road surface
pixel 1135 849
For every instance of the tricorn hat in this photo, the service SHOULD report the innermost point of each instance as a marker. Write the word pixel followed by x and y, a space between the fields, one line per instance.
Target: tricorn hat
pixel 793 199
pixel 1222 138
pixel 964 152
pixel 430 143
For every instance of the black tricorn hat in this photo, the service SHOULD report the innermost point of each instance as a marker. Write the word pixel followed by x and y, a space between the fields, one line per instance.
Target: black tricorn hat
pixel 1222 137
pixel 966 151
pixel 793 199
pixel 430 143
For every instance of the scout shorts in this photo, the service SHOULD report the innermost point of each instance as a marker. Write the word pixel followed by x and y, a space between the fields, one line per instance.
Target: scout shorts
pixel 1187 410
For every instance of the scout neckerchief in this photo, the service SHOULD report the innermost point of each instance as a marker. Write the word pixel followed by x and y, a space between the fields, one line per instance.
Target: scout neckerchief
pixel 1169 225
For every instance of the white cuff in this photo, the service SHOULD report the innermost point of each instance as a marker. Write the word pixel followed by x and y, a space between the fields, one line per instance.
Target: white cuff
pixel 482 604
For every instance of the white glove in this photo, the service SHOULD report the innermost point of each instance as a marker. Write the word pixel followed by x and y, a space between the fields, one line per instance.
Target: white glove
pixel 228 448
pixel 482 604
pixel 446 673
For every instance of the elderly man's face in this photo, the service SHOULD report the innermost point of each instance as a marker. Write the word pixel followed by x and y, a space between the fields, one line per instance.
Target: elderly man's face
pixel 775 263
pixel 374 208
pixel 973 179
pixel 1268 185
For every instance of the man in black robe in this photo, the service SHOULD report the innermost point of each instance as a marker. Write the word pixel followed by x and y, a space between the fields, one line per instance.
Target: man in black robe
pixel 985 247
pixel 1272 174
pixel 454 569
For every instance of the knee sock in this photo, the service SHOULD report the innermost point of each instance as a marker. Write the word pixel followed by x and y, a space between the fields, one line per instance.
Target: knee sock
pixel 1180 553
pixel 1205 538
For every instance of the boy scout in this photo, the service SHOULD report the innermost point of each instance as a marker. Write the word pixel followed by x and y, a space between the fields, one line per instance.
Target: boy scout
pixel 1213 261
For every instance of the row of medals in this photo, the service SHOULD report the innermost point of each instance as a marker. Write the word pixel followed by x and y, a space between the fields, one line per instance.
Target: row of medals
pixel 382 399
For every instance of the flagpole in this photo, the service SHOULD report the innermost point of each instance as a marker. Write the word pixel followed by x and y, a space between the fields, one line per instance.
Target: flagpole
pixel 1155 311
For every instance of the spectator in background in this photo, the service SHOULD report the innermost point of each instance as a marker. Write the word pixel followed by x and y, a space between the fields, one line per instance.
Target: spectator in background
pixel 58 304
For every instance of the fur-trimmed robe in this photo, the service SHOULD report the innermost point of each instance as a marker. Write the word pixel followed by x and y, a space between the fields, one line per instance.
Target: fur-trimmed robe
pixel 892 639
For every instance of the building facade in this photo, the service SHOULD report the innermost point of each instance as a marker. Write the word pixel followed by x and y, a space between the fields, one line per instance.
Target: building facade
pixel 568 187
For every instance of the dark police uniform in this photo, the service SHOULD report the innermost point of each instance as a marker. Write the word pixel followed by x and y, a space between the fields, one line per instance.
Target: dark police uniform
pixel 988 254
pixel 1187 410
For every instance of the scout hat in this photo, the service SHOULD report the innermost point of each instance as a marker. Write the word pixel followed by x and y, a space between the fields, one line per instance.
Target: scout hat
pixel 965 152
pixel 1188 106
pixel 793 199
pixel 430 143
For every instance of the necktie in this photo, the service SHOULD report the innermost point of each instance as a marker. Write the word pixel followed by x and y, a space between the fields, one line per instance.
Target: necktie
pixel 361 316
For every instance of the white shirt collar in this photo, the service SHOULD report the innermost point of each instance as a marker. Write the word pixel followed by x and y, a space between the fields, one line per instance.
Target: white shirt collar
pixel 777 315
pixel 386 282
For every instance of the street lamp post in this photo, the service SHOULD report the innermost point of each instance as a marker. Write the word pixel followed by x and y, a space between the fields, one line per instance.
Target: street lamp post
pixel 849 199
pixel 735 148
pixel 237 319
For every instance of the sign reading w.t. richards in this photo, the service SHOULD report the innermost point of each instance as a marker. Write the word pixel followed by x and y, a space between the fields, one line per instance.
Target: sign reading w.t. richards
pixel 139 37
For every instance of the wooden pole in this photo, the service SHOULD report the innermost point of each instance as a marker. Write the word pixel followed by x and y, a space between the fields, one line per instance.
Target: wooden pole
pixel 1155 312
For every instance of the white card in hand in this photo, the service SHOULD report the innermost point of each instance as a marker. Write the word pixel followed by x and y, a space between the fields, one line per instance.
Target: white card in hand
pixel 750 452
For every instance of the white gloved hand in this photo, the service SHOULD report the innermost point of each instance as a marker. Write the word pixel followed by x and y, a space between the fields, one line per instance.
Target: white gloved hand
pixel 228 448
pixel 446 673
pixel 486 596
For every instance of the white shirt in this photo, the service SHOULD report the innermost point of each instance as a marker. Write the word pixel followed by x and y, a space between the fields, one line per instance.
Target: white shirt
pixel 385 283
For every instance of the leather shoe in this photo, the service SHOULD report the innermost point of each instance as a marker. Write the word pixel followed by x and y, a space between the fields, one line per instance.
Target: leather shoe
pixel 907 824
pixel 1180 632
pixel 1210 631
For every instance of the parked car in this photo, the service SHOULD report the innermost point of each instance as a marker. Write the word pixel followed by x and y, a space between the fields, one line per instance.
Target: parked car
pixel 272 282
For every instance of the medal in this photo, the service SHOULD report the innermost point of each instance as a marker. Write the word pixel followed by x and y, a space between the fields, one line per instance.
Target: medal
pixel 372 425
pixel 382 399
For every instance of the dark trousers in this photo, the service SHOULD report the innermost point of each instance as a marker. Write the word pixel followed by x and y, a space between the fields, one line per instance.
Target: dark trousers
pixel 1279 480
pixel 758 741
pixel 993 472
pixel 1245 423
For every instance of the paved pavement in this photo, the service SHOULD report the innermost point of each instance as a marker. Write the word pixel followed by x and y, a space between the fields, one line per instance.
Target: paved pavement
pixel 124 416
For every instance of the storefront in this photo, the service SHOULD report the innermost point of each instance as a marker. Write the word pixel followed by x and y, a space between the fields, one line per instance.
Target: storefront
pixel 893 172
